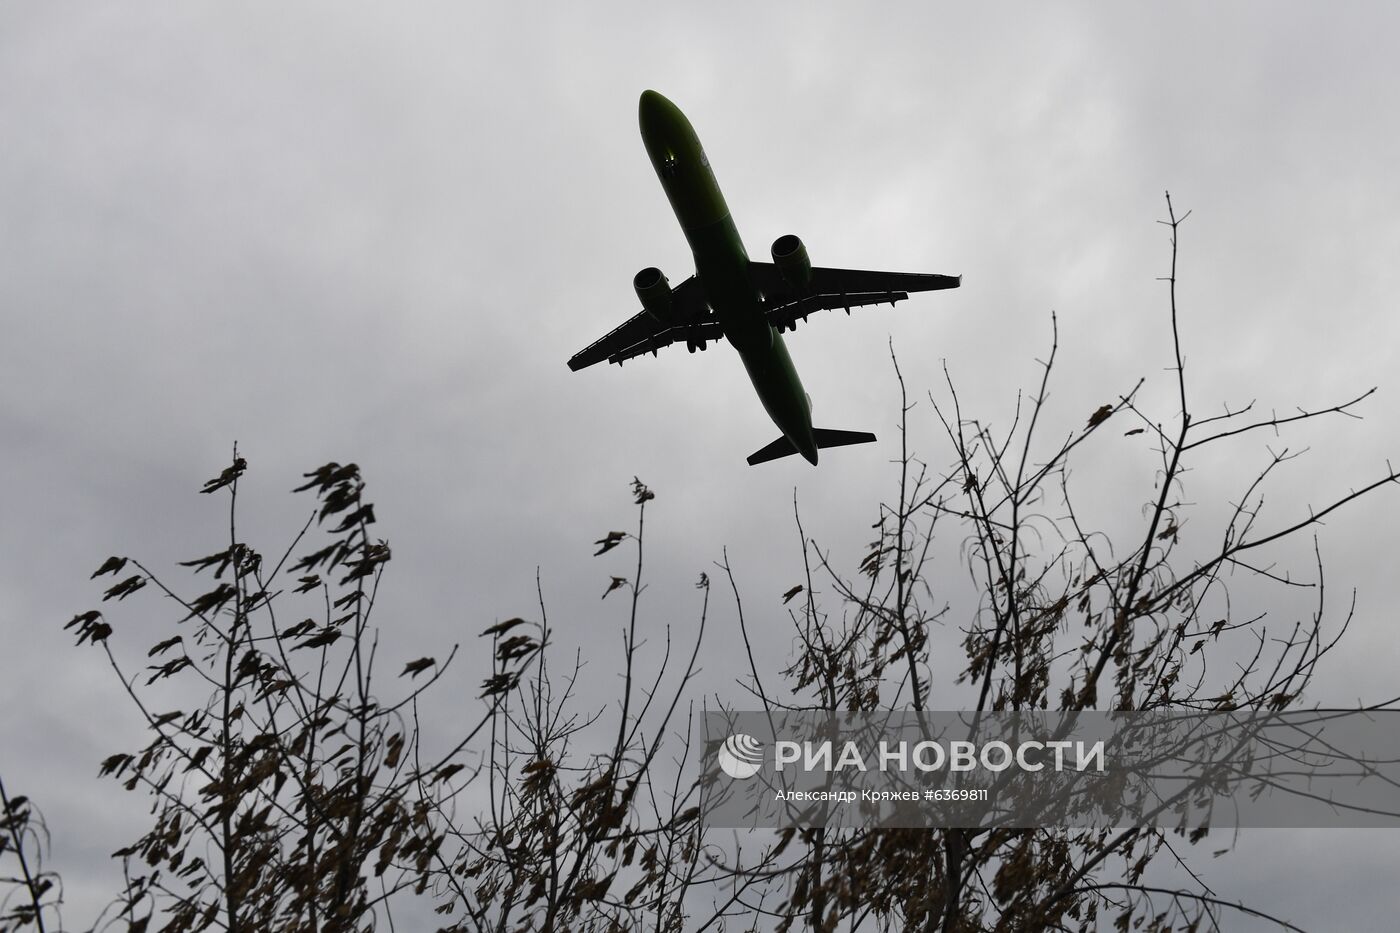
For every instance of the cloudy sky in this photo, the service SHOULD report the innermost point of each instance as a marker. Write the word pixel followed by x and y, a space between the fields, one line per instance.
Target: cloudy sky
pixel 376 233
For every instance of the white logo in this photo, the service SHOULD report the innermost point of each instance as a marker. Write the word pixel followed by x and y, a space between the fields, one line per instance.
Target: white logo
pixel 740 756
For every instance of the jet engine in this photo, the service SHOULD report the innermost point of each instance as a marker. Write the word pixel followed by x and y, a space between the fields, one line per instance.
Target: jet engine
pixel 790 256
pixel 654 292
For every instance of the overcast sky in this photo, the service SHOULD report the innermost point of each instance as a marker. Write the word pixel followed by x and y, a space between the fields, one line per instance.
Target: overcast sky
pixel 376 232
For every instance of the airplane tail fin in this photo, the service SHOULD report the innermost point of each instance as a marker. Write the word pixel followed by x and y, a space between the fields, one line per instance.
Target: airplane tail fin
pixel 825 437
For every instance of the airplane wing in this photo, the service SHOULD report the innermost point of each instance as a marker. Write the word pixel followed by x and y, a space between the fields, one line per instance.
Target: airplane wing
pixel 691 320
pixel 838 288
pixel 695 334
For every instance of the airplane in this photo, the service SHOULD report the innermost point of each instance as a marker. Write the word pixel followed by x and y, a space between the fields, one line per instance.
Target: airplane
pixel 748 303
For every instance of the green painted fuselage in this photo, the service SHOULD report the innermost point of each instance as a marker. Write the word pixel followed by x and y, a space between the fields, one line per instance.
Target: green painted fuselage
pixel 722 267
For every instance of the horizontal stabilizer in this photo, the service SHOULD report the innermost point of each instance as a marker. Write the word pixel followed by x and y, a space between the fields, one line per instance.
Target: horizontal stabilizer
pixel 782 447
pixel 828 438
pixel 825 437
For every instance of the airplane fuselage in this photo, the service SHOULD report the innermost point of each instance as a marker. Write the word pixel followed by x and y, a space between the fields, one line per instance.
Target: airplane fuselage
pixel 722 267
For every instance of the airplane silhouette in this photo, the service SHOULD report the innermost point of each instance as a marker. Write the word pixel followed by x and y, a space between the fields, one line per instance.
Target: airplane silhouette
pixel 749 303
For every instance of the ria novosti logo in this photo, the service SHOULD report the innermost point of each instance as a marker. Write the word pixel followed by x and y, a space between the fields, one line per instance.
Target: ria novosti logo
pixel 740 756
